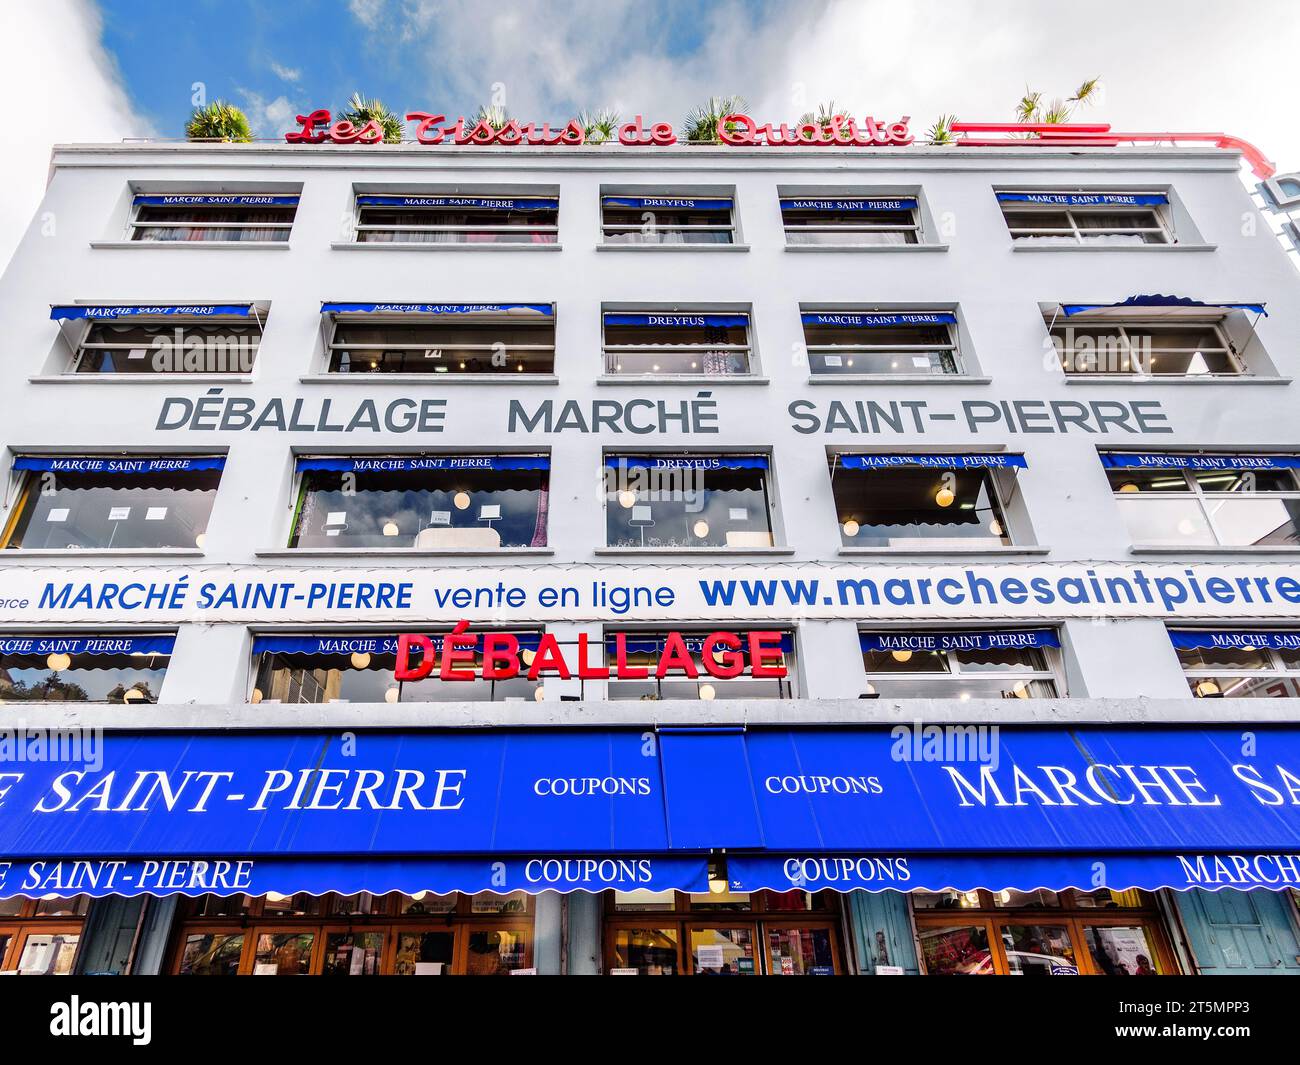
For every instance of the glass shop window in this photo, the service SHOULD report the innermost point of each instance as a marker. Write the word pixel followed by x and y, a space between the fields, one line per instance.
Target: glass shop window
pixel 72 668
pixel 1184 500
pixel 643 650
pixel 40 937
pixel 118 501
pixel 961 664
pixel 1077 216
pixel 844 221
pixel 441 338
pixel 667 219
pixel 678 501
pixel 205 217
pixel 888 343
pixel 1135 348
pixel 1240 663
pixel 427 502
pixel 359 668
pixel 931 502
pixel 207 339
pixel 691 344
pixel 455 219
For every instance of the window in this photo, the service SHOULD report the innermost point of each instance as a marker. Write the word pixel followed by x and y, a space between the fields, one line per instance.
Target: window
pixel 1188 500
pixel 1073 217
pixel 886 342
pixel 1239 664
pixel 931 502
pixel 644 649
pixel 359 668
pixel 690 344
pixel 961 664
pixel 103 502
pixel 427 502
pixel 206 339
pixel 667 219
pixel 679 501
pixel 844 221
pixel 331 935
pixel 1137 348
pixel 441 338
pixel 454 219
pixel 83 669
pixel 41 937
pixel 223 217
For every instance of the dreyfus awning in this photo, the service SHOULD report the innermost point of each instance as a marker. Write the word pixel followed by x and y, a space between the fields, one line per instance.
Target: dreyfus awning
pixel 686 462
pixel 557 809
pixel 115 311
pixel 1158 305
pixel 848 203
pixel 685 320
pixel 958 460
pixel 415 463
pixel 874 320
pixel 448 309
pixel 123 465
pixel 1085 199
pixel 469 203
pixel 1169 460
pixel 669 203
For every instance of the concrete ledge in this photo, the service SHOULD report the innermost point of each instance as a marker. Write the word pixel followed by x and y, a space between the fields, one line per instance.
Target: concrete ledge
pixel 695 380
pixel 893 248
pixel 191 245
pixel 430 380
pixel 399 552
pixel 1022 246
pixel 366 245
pixel 726 552
pixel 672 247
pixel 1130 381
pixel 877 379
pixel 949 553
pixel 167 379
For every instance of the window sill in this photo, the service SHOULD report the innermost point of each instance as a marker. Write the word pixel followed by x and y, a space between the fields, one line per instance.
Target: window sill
pixel 141 379
pixel 946 552
pixel 1119 379
pixel 893 249
pixel 429 379
pixel 897 379
pixel 672 247
pixel 398 552
pixel 1174 549
pixel 696 380
pixel 19 553
pixel 366 245
pixel 1020 246
pixel 729 551
pixel 192 245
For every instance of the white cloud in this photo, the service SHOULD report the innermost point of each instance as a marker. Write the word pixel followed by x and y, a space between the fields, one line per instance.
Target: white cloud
pixel 52 59
pixel 367 12
pixel 291 74
pixel 268 118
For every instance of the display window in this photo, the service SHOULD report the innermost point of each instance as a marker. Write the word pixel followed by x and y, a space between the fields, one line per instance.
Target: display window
pixel 102 502
pixel 887 343
pixel 40 937
pixel 1239 663
pixel 1211 500
pixel 828 220
pixel 672 343
pixel 765 933
pixel 642 650
pixel 667 218
pixel 212 217
pixel 83 668
pixel 427 502
pixel 161 340
pixel 687 501
pixel 440 338
pixel 457 219
pixel 1138 348
pixel 1080 216
pixel 1041 933
pixel 962 664
pixel 358 935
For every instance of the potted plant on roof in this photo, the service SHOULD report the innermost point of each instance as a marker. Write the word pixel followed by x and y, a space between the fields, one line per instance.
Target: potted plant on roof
pixel 218 121
pixel 360 110
pixel 599 127
pixel 701 126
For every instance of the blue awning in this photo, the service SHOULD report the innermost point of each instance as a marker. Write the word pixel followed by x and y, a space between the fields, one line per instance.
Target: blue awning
pixel 678 321
pixel 119 465
pixel 683 462
pixel 958 640
pixel 106 312
pixel 848 203
pixel 638 643
pixel 22 644
pixel 1086 199
pixel 948 461
pixel 411 463
pixel 546 309
pixel 476 203
pixel 859 320
pixel 359 643
pixel 1156 460
pixel 666 203
pixel 215 200
pixel 1157 301
pixel 1233 639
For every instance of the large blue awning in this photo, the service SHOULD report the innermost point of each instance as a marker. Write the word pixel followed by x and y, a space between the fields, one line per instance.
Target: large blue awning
pixel 902 808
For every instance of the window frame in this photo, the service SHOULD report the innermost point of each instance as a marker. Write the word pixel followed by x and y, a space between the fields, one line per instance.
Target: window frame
pixel 1275 670
pixel 788 684
pixel 134 224
pixel 1053 674
pixel 1084 235
pixel 613 228
pixel 914 225
pixel 952 348
pixel 85 347
pixel 610 352
pixel 1123 327
pixel 359 226
pixel 17 929
pixel 108 635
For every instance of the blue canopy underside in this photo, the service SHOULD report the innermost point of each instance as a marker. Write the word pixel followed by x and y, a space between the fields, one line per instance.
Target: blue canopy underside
pixel 1138 302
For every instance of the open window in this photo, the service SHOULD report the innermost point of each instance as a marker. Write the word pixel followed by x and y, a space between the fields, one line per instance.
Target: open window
pixel 1239 663
pixel 924 501
pixel 221 217
pixel 667 218
pixel 1079 216
pixel 1186 499
pixel 884 343
pixel 457 339
pixel 830 220
pixel 83 668
pixel 643 650
pixel 697 343
pixel 457 219
pixel 688 501
pixel 961 663
pixel 427 502
pixel 160 339
pixel 71 502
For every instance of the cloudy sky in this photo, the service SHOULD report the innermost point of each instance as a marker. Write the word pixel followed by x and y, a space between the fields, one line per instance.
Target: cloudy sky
pixel 128 68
